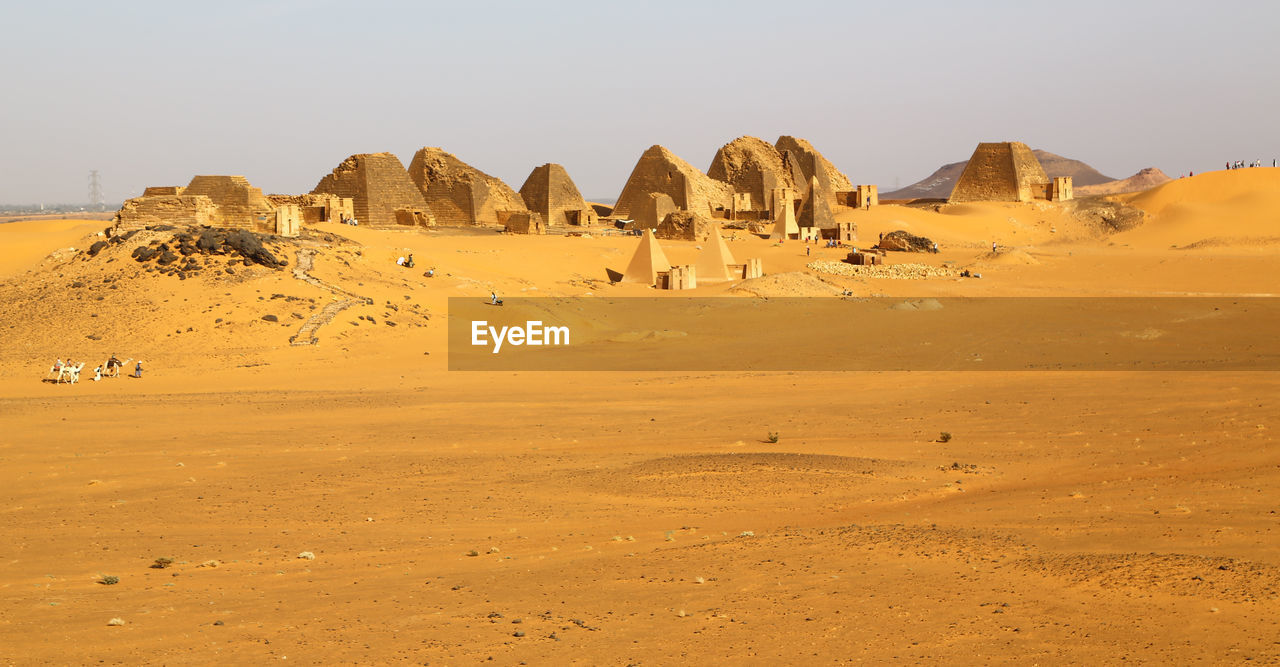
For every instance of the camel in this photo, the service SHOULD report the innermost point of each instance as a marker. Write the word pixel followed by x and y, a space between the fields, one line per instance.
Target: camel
pixel 113 367
pixel 70 373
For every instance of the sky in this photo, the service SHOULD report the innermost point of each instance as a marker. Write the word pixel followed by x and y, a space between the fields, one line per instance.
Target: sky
pixel 281 91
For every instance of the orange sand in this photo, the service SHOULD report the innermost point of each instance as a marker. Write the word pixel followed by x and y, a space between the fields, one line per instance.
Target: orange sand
pixel 630 517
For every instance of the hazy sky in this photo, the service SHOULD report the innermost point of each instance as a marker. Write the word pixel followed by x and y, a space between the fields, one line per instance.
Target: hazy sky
pixel 152 93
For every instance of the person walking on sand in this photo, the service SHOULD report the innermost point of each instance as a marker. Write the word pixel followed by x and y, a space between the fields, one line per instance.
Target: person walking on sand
pixel 993 246
pixel 137 370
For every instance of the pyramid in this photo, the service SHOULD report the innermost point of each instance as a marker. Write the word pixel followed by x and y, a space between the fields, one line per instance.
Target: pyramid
pixel 652 210
pixel 1003 171
pixel 647 262
pixel 550 192
pixel 812 164
pixel 378 186
pixel 752 166
pixel 240 205
pixel 785 224
pixel 458 193
pixel 711 265
pixel 660 170
pixel 815 210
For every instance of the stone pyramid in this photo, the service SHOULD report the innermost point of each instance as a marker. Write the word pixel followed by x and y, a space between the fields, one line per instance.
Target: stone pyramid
pixel 754 167
pixel 1003 171
pixel 458 193
pixel 647 262
pixel 712 263
pixel 378 186
pixel 660 170
pixel 550 192
pixel 813 164
pixel 815 209
pixel 784 226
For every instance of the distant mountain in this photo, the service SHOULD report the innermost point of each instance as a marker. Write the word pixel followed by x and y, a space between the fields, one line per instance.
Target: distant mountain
pixel 1144 180
pixel 939 184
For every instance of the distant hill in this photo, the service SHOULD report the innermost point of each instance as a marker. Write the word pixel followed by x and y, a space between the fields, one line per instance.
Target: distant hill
pixel 1144 180
pixel 939 184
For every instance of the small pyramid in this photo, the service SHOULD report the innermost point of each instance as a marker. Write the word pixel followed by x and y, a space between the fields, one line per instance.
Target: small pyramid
pixel 814 209
pixel 785 224
pixel 648 261
pixel 713 261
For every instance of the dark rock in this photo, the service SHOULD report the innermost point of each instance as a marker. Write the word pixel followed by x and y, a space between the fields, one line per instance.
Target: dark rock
pixel 904 241
pixel 271 318
pixel 97 248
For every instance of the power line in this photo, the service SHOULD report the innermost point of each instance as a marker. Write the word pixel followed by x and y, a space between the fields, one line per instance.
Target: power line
pixel 95 190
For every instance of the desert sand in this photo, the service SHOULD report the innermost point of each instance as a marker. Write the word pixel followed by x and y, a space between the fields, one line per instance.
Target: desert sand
pixel 629 518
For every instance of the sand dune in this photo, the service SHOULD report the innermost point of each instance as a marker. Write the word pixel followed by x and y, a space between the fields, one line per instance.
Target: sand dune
pixel 1237 207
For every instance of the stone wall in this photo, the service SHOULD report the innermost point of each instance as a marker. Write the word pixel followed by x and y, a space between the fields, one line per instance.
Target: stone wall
pixel 378 185
pixel 550 192
pixel 164 209
pixel 458 193
pixel 318 208
pixel 660 170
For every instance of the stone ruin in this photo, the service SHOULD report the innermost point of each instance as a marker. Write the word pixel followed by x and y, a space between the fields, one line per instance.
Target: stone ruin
pixel 684 226
pixel 811 164
pixel 315 209
pixel 1003 171
pixel 523 222
pixel 660 170
pixel 220 201
pixel 380 189
pixel 163 205
pixel 458 193
pixel 815 209
pixel 755 169
pixel 549 192
pixel 903 241
pixel 652 210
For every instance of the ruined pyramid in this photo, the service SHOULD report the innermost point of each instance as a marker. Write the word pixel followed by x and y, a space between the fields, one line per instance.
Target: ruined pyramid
pixel 754 167
pixel 810 164
pixel 458 193
pixel 660 170
pixel 378 186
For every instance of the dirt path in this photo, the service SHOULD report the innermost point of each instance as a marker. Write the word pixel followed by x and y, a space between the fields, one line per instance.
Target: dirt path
pixel 307 333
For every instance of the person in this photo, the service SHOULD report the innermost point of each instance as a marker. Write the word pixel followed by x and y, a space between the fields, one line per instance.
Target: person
pixel 494 300
pixel 97 373
pixel 137 370
pixel 806 249
pixel 935 247
pixel 408 263
pixel 400 261
pixel 993 246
